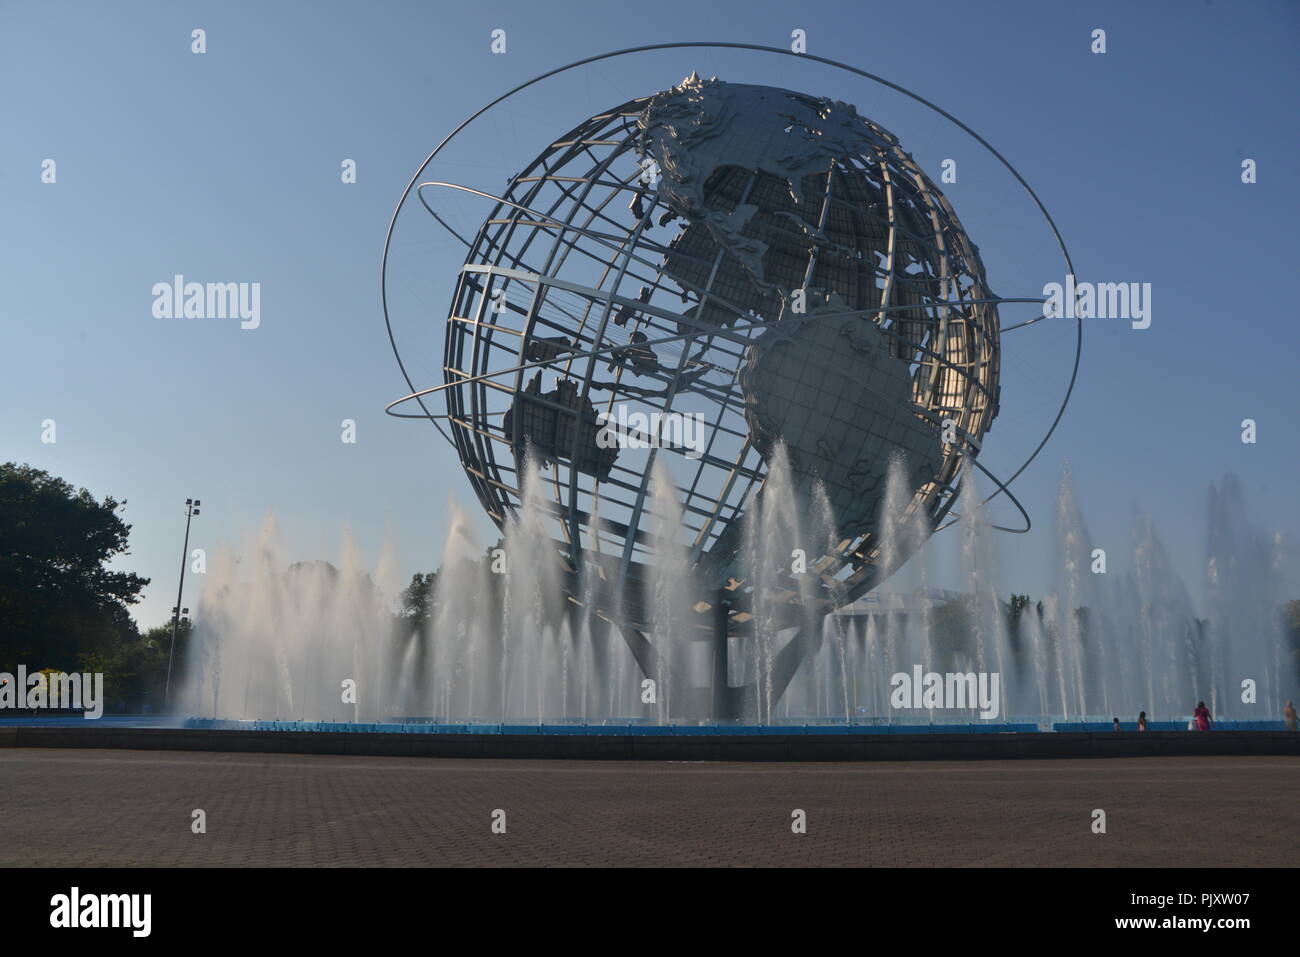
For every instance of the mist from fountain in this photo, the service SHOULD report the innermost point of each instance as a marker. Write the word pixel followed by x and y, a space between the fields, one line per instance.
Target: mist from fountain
pixel 503 643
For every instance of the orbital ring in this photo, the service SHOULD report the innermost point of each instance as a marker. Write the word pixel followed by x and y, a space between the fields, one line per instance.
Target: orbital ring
pixel 418 394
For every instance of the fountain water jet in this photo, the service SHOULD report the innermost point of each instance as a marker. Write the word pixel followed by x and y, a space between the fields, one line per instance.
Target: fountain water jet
pixel 501 642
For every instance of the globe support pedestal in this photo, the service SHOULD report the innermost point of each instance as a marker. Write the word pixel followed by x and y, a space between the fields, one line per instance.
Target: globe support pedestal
pixel 722 703
pixel 720 700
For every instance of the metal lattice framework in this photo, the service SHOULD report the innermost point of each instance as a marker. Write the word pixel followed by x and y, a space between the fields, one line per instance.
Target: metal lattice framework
pixel 587 288
pixel 521 245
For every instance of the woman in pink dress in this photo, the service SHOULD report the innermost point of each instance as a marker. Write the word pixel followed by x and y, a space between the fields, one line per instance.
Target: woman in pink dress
pixel 1202 716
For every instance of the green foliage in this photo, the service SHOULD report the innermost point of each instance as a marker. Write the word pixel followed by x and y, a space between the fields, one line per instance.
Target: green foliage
pixel 1015 608
pixel 417 600
pixel 135 669
pixel 59 604
pixel 951 632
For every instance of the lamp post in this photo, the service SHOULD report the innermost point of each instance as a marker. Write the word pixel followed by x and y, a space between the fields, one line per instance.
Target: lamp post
pixel 191 509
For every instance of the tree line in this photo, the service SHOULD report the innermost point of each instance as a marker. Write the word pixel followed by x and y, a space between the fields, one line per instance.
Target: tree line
pixel 61 607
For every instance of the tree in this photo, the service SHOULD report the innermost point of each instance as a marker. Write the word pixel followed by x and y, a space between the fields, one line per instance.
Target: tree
pixel 417 600
pixel 951 631
pixel 58 601
pixel 1015 610
pixel 135 669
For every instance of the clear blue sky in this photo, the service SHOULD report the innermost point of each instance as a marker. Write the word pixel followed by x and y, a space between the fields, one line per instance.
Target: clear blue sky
pixel 225 167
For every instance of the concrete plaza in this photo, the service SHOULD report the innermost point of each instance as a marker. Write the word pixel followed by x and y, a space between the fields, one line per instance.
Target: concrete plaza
pixel 134 808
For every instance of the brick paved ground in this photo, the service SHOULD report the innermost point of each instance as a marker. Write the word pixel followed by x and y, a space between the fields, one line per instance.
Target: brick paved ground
pixel 84 808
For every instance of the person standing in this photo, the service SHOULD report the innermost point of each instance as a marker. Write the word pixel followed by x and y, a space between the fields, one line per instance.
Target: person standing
pixel 1115 722
pixel 1142 720
pixel 1202 716
pixel 1289 715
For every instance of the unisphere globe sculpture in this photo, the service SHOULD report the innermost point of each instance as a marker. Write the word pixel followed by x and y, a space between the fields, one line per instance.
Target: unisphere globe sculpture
pixel 767 266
